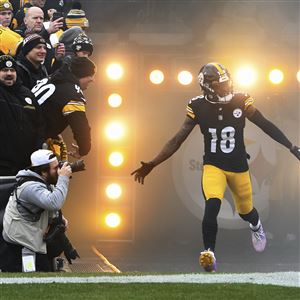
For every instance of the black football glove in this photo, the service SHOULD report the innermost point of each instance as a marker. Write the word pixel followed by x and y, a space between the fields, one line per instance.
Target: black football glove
pixel 142 172
pixel 296 151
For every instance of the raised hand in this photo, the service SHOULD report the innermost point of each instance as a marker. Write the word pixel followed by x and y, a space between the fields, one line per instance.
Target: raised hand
pixel 142 172
pixel 55 25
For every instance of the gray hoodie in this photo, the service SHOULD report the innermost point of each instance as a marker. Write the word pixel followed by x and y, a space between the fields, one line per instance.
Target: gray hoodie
pixel 35 196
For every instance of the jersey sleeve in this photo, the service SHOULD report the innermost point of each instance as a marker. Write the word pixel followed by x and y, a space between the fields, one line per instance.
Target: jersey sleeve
pixel 248 101
pixel 189 111
pixel 81 131
pixel 75 101
pixel 73 106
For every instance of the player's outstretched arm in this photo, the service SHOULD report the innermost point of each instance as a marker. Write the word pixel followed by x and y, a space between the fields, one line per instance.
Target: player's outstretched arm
pixel 256 117
pixel 168 150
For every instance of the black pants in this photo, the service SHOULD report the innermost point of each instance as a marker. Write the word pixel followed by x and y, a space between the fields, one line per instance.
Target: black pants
pixel 11 259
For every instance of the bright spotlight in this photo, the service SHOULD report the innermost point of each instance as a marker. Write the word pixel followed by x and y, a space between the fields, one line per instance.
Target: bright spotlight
pixel 113 191
pixel 114 131
pixel 185 77
pixel 112 220
pixel 116 159
pixel 298 76
pixel 114 71
pixel 276 76
pixel 246 76
pixel 157 77
pixel 115 100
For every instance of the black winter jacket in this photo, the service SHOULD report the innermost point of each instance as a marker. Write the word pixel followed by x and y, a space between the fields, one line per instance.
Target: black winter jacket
pixel 28 74
pixel 21 128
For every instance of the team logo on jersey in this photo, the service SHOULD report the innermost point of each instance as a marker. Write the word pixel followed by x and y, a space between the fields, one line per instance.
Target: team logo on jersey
pixel 9 64
pixel 237 113
pixel 28 100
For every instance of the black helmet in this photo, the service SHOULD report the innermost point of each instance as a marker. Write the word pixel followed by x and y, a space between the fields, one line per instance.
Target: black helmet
pixel 215 82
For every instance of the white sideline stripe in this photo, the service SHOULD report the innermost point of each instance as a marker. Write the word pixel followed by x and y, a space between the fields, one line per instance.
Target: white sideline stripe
pixel 291 279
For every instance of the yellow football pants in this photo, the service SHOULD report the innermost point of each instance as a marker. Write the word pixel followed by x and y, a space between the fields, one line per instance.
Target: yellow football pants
pixel 215 180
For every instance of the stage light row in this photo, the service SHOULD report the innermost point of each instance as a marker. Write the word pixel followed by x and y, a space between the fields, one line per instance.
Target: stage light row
pixel 244 76
pixel 115 132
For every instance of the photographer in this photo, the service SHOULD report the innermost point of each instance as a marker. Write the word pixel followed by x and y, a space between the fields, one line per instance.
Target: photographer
pixel 32 207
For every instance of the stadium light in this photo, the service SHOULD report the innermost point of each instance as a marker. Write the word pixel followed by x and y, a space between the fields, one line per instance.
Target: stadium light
pixel 114 131
pixel 298 76
pixel 116 159
pixel 185 77
pixel 113 220
pixel 246 76
pixel 157 77
pixel 276 76
pixel 114 100
pixel 114 71
pixel 113 191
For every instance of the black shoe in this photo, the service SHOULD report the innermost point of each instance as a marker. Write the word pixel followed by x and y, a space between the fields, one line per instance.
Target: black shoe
pixel 58 264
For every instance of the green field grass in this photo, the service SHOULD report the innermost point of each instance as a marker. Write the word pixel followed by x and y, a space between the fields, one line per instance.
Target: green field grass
pixel 61 291
pixel 147 291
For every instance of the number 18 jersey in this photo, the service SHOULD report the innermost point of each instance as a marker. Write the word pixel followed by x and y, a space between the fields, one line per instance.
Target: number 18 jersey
pixel 222 126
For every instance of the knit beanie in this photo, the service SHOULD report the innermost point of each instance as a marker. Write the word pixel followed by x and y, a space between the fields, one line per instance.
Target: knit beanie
pixel 30 42
pixel 83 43
pixel 82 67
pixel 5 5
pixel 6 61
pixel 76 17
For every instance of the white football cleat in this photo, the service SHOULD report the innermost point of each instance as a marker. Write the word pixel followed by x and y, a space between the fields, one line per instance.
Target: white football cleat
pixel 259 239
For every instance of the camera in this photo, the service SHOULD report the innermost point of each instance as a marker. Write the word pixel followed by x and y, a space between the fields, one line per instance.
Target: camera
pixel 76 166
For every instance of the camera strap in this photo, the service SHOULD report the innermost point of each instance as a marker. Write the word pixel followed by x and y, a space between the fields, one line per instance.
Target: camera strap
pixel 34 216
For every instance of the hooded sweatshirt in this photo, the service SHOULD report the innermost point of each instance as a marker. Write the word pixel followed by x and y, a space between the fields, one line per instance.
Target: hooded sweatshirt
pixel 39 198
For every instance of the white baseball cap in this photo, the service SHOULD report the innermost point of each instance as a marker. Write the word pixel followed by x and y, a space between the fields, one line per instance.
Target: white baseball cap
pixel 41 157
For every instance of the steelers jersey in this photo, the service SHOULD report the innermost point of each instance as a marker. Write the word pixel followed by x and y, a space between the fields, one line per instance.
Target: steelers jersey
pixel 57 102
pixel 222 126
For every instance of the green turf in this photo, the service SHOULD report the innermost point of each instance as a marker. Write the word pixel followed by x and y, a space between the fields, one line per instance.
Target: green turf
pixel 147 291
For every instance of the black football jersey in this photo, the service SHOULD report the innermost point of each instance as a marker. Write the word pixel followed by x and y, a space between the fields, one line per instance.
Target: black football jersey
pixel 57 101
pixel 222 126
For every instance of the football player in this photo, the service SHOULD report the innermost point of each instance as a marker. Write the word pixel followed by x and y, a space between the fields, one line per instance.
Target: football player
pixel 221 115
pixel 63 103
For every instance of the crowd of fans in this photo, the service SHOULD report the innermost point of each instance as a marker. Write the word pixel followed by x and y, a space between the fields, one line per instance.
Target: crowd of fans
pixel 44 69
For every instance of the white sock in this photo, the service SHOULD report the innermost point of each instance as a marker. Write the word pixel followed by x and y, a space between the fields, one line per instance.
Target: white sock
pixel 255 228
